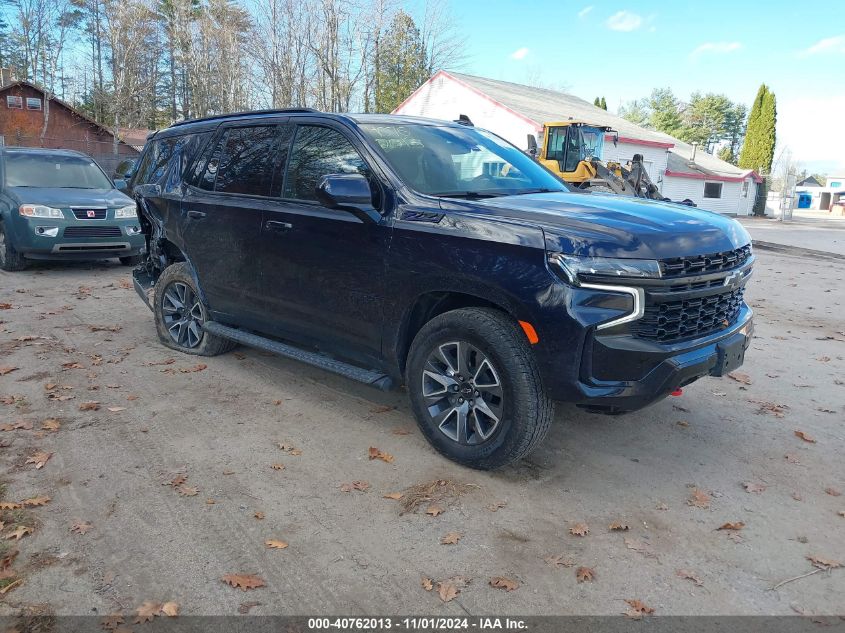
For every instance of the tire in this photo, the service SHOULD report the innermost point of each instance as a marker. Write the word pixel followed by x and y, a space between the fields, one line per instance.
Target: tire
pixel 10 259
pixel 519 403
pixel 176 285
pixel 130 260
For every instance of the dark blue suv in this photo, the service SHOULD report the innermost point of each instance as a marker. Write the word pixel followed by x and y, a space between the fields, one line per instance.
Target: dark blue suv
pixel 396 250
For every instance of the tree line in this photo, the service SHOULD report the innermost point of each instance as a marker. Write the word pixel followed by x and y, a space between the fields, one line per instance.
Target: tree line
pixel 148 63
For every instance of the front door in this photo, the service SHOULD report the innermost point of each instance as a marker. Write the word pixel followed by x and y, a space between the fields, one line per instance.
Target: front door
pixel 323 269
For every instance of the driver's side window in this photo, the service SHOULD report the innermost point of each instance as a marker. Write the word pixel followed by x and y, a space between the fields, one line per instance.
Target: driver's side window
pixel 317 152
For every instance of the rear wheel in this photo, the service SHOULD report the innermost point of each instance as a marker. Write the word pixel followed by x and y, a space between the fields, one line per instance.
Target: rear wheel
pixel 475 388
pixel 10 259
pixel 180 314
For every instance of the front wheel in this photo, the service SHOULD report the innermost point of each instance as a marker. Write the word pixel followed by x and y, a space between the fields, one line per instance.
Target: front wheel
pixel 475 388
pixel 10 259
pixel 180 314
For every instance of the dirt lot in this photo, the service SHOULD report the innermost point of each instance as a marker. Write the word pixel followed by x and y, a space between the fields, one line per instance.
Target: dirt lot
pixel 81 329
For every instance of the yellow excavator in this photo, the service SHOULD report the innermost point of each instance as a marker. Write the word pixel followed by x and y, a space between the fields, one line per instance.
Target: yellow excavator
pixel 573 150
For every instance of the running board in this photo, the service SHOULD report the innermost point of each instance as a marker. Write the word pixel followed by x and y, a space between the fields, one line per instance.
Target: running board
pixel 367 376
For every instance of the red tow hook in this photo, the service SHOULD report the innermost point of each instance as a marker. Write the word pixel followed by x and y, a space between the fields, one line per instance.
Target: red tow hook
pixel 677 392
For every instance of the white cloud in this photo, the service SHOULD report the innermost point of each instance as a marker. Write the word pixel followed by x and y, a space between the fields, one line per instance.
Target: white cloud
pixel 624 21
pixel 811 128
pixel 583 12
pixel 519 53
pixel 834 44
pixel 715 47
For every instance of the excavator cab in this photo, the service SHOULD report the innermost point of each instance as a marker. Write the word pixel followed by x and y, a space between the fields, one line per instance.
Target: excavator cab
pixel 570 147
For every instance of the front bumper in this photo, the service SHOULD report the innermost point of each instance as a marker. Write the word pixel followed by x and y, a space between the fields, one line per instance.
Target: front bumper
pixel 61 239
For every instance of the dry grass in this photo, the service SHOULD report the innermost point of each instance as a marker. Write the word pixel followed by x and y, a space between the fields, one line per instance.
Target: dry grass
pixel 433 492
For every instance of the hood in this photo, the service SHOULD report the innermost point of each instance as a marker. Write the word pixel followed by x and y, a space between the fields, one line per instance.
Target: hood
pixel 607 225
pixel 63 198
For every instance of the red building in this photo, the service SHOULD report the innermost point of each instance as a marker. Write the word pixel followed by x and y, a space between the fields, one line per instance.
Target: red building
pixel 22 121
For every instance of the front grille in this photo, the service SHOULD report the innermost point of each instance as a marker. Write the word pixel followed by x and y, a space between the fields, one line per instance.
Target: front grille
pixel 83 214
pixel 702 264
pixel 675 320
pixel 92 231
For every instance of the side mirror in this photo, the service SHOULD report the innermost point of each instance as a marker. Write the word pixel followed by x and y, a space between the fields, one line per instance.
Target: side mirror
pixel 337 191
pixel 532 146
pixel 121 185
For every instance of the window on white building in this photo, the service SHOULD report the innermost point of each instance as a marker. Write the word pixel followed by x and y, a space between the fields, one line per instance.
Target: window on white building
pixel 712 190
pixel 13 102
pixel 744 188
pixel 33 103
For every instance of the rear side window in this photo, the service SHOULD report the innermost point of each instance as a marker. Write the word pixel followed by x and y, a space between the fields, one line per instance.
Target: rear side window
pixel 168 156
pixel 246 160
pixel 317 152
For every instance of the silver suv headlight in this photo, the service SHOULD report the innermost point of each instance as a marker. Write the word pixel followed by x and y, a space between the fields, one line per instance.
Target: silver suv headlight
pixel 40 211
pixel 125 213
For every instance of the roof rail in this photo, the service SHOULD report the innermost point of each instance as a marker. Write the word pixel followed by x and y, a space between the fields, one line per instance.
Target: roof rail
pixel 233 115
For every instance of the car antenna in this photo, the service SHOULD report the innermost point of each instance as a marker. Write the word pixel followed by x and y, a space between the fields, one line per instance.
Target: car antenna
pixel 463 119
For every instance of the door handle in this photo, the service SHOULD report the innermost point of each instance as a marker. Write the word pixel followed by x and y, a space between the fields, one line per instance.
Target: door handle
pixel 196 215
pixel 279 227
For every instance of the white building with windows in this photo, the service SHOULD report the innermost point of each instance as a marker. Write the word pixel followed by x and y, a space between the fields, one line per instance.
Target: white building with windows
pixel 514 111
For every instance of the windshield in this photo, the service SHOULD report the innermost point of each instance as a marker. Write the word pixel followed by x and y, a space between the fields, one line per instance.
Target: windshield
pixel 459 162
pixel 53 170
pixel 592 142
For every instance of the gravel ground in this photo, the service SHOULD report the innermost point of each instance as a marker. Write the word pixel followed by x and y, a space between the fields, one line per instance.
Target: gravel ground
pixel 78 333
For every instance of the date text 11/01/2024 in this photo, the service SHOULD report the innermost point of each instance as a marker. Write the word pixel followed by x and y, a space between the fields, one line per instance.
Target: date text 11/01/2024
pixel 417 624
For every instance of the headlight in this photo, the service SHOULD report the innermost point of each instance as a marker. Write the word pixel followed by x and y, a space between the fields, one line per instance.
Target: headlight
pixel 125 213
pixel 574 268
pixel 40 211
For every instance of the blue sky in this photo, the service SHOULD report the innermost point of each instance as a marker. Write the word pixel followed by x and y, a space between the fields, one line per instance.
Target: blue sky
pixel 621 51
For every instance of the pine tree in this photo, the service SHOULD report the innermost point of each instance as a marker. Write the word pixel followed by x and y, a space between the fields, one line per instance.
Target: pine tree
pixel 758 151
pixel 597 102
pixel 401 63
pixel 603 104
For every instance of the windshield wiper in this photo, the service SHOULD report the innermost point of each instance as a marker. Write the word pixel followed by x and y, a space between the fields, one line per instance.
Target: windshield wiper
pixel 469 195
pixel 524 192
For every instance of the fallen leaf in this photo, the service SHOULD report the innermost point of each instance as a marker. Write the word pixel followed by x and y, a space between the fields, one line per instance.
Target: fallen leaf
pixel 501 582
pixel 5 306
pixel 7 369
pixel 797 496
pixel 376 453
pixel 35 501
pixel 275 544
pixel 823 563
pixel 661 506
pixel 72 365
pixel 210 502
pixel 245 607
pixel 81 527
pixel 259 515
pixel 497 505
pixel 451 538
pixel 187 491
pixel 737 525
pixel 689 575
pixel 112 621
pixel 243 581
pixel 277 466
pixel 579 529
pixel 823 359
pixel 434 510
pixel 447 591
pixel 116 409
pixel 683 423
pixel 39 459
pixel 8 559
pixel 19 532
pixel 699 499
pixel 426 583
pixel 20 425
pixel 745 379
pixel 393 495
pixel 51 424
pixel 193 368
pixel 170 609
pixel 178 480
pixel 777 410
pixel 804 436
pixel 557 561
pixel 228 472
pixel 841 513
pixel 585 574
pixel 617 526
pixel 131 397
pixel 355 485
pixel 753 487
pixel 146 612
pixel 637 609
pixel 89 406
pixel 833 492
pixel 9 505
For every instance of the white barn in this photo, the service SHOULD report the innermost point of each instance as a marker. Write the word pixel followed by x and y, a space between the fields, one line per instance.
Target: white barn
pixel 513 111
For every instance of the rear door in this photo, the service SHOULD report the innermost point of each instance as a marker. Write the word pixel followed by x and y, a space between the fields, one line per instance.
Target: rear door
pixel 221 218
pixel 323 269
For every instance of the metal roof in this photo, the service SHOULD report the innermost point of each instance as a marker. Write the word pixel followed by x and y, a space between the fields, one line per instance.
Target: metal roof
pixel 543 105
